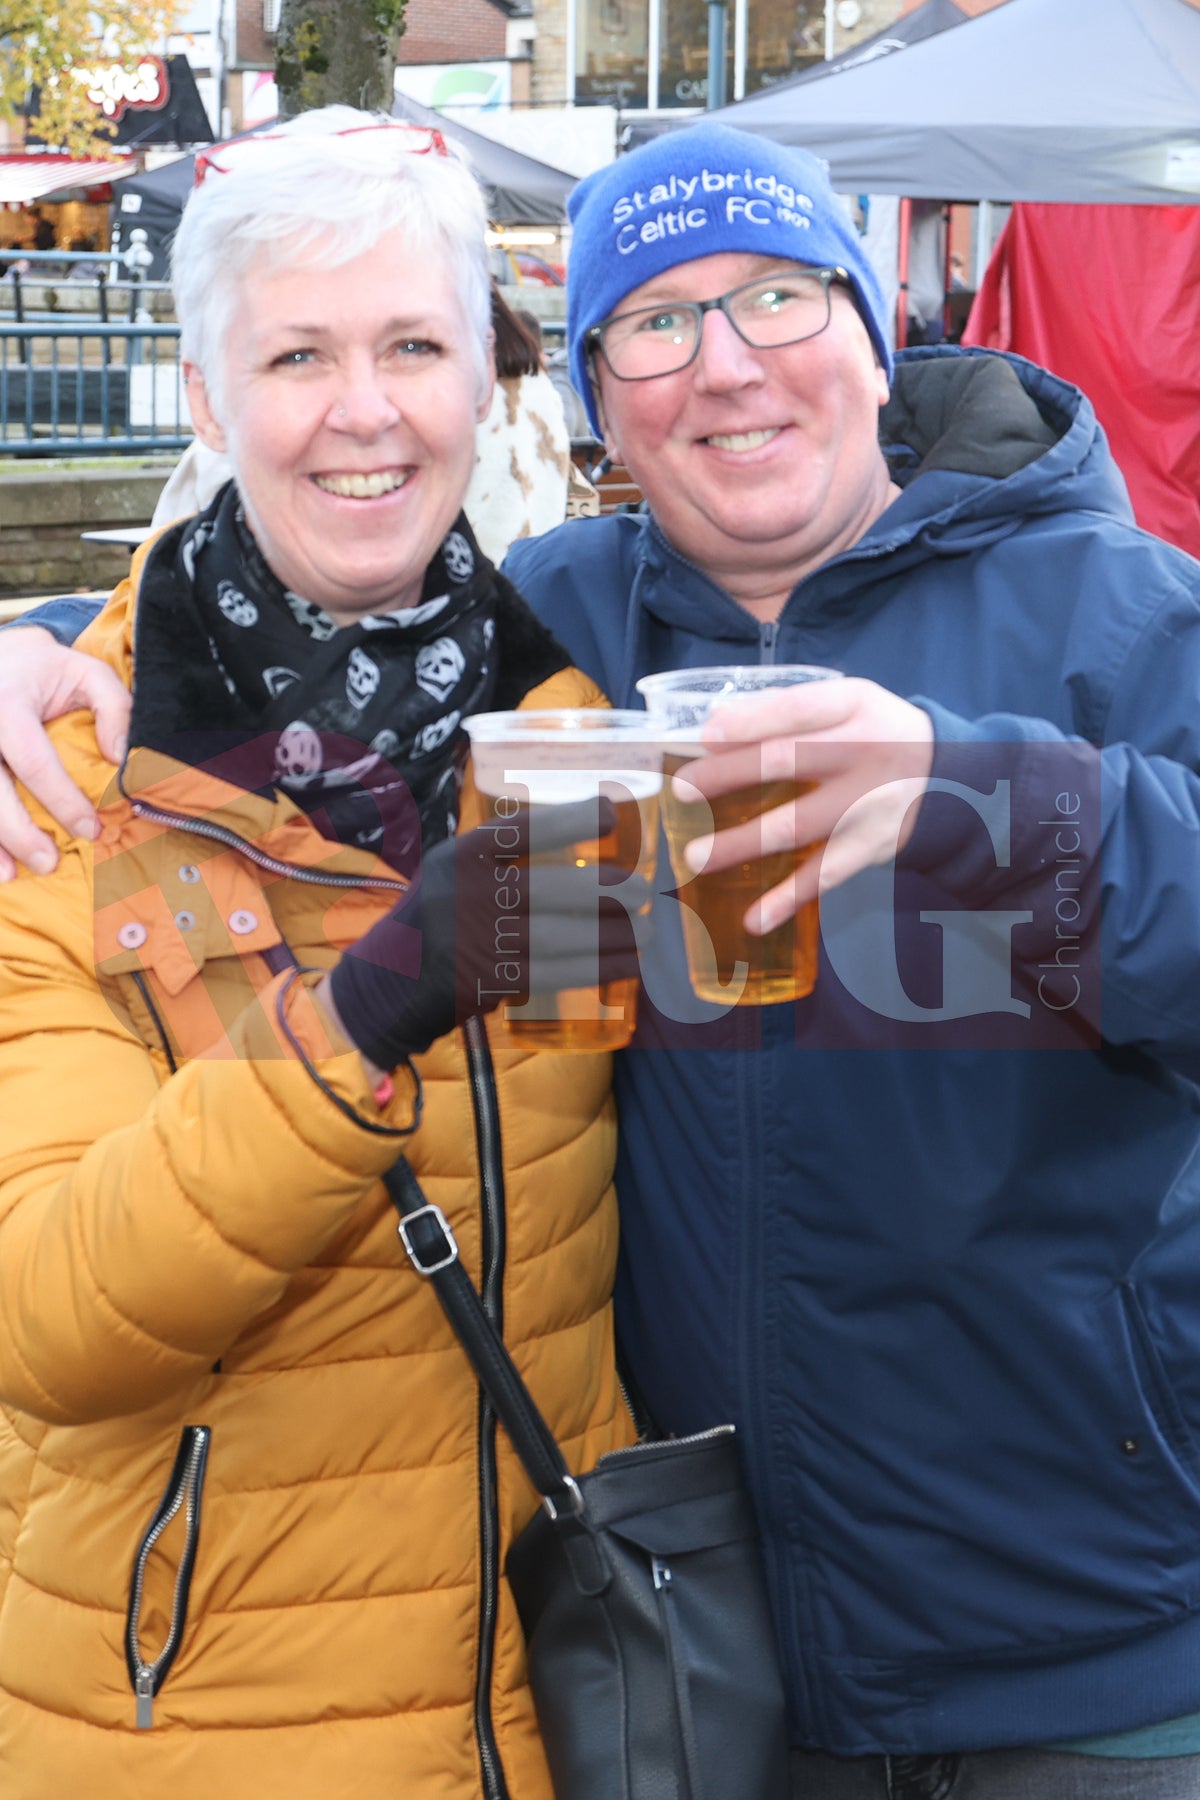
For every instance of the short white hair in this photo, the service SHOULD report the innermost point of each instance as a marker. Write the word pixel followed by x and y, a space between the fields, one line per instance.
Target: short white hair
pixel 323 189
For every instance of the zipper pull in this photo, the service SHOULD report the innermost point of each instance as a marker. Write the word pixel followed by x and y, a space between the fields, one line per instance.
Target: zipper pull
pixel 662 1574
pixel 143 1687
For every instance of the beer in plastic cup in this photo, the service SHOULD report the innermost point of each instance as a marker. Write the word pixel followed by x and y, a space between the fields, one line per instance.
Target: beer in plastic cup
pixel 554 757
pixel 726 963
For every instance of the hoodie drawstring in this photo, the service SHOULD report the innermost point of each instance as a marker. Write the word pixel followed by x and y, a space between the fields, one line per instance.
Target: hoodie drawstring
pixel 635 624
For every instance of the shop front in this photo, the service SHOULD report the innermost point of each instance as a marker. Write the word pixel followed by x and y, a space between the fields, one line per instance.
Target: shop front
pixel 50 201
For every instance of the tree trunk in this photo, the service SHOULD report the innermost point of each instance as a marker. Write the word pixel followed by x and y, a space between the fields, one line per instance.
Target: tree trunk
pixel 337 50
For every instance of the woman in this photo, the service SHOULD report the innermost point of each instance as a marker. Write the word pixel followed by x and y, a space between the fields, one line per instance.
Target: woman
pixel 252 1512
pixel 519 485
pixel 523 454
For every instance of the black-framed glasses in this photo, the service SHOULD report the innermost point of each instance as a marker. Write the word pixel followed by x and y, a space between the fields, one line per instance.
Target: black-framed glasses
pixel 783 308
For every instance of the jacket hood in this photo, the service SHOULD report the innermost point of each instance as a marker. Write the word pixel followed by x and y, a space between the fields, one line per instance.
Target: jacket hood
pixel 1031 440
pixel 978 442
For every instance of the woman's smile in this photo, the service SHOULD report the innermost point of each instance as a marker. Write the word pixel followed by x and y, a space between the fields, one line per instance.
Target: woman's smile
pixel 362 486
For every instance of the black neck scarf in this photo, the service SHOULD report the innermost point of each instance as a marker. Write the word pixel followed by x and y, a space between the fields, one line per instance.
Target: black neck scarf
pixel 361 722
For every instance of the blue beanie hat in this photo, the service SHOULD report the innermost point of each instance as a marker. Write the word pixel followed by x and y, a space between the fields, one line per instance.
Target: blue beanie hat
pixel 696 192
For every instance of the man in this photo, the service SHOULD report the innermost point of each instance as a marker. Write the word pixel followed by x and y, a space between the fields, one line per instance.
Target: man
pixel 930 1236
pixel 921 1260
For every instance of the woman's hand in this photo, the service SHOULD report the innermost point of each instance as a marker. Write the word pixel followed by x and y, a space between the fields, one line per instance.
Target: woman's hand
pixel 482 925
pixel 869 754
pixel 42 680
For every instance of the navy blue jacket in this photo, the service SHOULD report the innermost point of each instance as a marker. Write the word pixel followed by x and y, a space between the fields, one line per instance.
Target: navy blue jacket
pixel 949 1294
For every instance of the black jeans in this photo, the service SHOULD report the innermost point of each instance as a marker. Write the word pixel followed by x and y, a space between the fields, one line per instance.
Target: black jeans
pixel 995 1775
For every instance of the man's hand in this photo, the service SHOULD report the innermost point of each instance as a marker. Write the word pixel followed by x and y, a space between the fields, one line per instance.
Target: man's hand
pixel 856 741
pixel 41 680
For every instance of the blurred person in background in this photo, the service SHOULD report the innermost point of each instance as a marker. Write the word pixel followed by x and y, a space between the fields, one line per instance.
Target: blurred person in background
pixel 82 271
pixel 519 485
pixel 44 237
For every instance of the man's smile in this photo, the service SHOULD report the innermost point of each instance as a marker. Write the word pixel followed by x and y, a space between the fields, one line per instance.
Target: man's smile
pixel 741 440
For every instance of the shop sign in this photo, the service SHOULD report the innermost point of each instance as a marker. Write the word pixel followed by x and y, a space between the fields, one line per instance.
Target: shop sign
pixel 115 89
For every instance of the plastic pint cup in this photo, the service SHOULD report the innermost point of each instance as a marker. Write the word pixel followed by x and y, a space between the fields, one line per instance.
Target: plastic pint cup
pixel 725 963
pixel 550 758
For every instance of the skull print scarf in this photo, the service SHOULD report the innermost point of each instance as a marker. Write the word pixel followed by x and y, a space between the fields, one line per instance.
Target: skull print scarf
pixel 363 720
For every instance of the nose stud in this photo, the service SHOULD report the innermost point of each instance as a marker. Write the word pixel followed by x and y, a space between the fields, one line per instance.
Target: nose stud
pixel 341 413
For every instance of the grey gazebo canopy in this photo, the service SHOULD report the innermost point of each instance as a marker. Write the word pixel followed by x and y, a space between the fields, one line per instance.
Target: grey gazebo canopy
pixel 520 190
pixel 1059 100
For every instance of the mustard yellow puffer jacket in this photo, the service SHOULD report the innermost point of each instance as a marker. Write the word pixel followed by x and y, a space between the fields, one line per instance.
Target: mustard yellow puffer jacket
pixel 243 1461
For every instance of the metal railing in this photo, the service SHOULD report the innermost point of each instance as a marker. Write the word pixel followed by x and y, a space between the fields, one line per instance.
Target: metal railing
pixel 74 385
pixel 84 366
pixel 96 277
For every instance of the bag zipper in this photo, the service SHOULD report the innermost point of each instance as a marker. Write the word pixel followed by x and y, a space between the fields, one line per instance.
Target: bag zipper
pixel 492 1250
pixel 648 1445
pixel 664 1586
pixel 184 1489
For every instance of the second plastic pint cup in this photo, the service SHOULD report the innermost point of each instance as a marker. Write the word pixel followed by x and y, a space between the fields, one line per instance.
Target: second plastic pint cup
pixel 725 963
pixel 552 758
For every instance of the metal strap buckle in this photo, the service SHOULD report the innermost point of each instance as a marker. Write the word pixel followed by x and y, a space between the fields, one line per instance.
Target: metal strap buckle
pixel 576 1497
pixel 414 1255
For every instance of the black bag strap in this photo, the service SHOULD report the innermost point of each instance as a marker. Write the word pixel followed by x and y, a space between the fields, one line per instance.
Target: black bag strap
pixel 427 1238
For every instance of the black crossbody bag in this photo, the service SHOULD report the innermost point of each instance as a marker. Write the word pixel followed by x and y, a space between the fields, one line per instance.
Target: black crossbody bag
pixel 652 1655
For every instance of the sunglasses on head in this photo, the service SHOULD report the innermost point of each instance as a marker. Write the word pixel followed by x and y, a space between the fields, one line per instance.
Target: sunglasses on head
pixel 222 159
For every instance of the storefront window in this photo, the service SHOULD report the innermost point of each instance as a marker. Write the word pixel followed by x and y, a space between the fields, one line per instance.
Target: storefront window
pixel 683 66
pixel 612 38
pixel 782 38
pixel 610 57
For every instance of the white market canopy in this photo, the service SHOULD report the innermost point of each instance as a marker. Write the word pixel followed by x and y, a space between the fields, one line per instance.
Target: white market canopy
pixel 27 176
pixel 1057 100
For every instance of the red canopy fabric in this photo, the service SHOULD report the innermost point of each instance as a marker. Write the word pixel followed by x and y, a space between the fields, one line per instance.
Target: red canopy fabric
pixel 1106 296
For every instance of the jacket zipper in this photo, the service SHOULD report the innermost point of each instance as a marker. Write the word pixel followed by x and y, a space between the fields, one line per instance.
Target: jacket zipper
pixel 218 833
pixel 148 1677
pixel 184 1489
pixel 767 635
pixel 143 988
pixel 793 1588
pixel 491 1172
